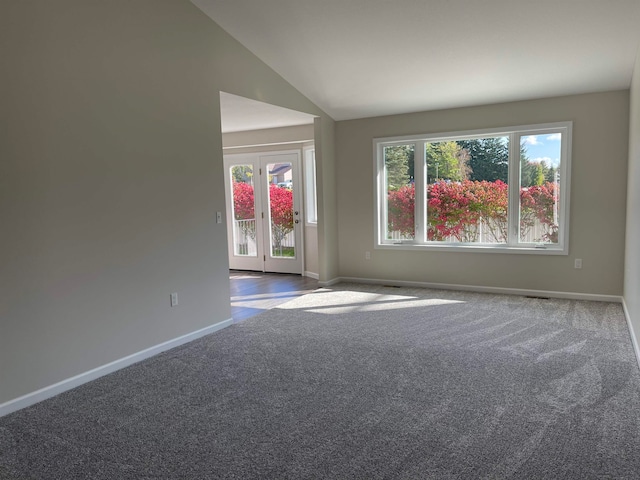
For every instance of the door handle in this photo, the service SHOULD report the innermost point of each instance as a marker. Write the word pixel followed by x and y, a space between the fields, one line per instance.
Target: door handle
pixel 297 221
pixel 296 212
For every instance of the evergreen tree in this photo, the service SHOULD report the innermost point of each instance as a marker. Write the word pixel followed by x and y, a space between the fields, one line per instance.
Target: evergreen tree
pixel 526 168
pixel 488 158
pixel 396 162
pixel 550 174
pixel 538 178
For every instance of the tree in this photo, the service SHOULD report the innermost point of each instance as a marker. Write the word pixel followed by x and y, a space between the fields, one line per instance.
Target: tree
pixel 550 174
pixel 242 173
pixel 281 205
pixel 538 178
pixel 533 173
pixel 446 161
pixel 396 162
pixel 488 158
pixel 526 168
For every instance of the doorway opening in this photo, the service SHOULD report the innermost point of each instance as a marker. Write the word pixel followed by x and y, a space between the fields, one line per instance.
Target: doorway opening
pixel 269 188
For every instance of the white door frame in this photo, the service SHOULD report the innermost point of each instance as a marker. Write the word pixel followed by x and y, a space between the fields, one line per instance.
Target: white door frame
pixel 262 259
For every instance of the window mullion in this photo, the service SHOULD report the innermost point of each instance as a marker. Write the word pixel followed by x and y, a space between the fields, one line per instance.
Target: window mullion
pixel 514 190
pixel 382 195
pixel 420 185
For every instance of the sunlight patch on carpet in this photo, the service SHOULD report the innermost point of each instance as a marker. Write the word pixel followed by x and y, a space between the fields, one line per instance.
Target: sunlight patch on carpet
pixel 352 301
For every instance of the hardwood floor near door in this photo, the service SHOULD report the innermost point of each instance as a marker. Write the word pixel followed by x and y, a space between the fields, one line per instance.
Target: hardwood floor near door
pixel 254 292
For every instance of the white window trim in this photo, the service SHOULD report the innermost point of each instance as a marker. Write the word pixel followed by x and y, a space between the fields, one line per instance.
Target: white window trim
pixel 310 193
pixel 515 134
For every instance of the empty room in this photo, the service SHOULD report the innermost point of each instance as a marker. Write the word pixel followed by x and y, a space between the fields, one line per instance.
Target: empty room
pixel 453 187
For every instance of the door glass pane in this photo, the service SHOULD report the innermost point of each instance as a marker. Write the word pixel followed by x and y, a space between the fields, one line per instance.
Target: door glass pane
pixel 540 187
pixel 281 214
pixel 244 207
pixel 467 191
pixel 400 190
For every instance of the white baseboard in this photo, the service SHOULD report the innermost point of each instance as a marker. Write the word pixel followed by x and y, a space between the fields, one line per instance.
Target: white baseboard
pixel 69 383
pixel 328 283
pixel 315 276
pixel 482 289
pixel 634 339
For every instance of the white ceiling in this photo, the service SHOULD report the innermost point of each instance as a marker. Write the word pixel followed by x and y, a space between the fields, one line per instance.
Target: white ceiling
pixel 362 58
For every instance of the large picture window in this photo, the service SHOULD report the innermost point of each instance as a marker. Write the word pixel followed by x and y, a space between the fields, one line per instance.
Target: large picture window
pixel 489 190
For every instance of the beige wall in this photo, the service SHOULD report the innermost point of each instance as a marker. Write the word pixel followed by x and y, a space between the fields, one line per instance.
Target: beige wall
pixel 311 250
pixel 632 257
pixel 110 176
pixel 598 185
pixel 265 137
pixel 326 180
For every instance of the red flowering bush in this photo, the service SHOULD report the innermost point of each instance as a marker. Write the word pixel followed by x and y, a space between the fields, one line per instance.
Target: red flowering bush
pixel 539 204
pixel 243 203
pixel 281 204
pixel 243 208
pixel 281 208
pixel 456 209
pixel 462 210
pixel 402 211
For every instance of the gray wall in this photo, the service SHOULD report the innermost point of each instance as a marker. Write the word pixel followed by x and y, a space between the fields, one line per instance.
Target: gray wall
pixel 598 192
pixel 326 182
pixel 632 258
pixel 110 176
pixel 268 136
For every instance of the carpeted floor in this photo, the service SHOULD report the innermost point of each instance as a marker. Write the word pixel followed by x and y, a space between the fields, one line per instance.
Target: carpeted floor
pixel 358 382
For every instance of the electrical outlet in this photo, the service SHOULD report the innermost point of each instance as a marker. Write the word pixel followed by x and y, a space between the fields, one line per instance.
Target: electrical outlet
pixel 174 299
pixel 218 217
pixel 367 255
pixel 577 263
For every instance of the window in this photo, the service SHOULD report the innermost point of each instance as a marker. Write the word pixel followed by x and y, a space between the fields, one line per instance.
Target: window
pixel 490 190
pixel 310 197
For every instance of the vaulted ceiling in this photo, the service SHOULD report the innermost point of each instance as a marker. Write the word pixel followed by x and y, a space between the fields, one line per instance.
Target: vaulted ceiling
pixel 362 58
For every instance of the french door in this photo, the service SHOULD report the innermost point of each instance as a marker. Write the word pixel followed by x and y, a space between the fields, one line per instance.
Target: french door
pixel 264 211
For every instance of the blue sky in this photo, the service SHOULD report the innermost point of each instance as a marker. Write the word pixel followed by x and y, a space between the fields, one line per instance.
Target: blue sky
pixel 543 147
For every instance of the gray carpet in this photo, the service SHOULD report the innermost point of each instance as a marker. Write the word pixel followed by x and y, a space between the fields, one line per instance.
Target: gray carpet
pixel 358 382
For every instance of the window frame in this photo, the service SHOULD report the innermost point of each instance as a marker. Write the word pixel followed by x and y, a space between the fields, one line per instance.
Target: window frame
pixel 513 245
pixel 310 192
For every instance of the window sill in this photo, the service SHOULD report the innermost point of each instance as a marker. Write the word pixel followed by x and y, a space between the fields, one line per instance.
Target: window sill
pixel 524 250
